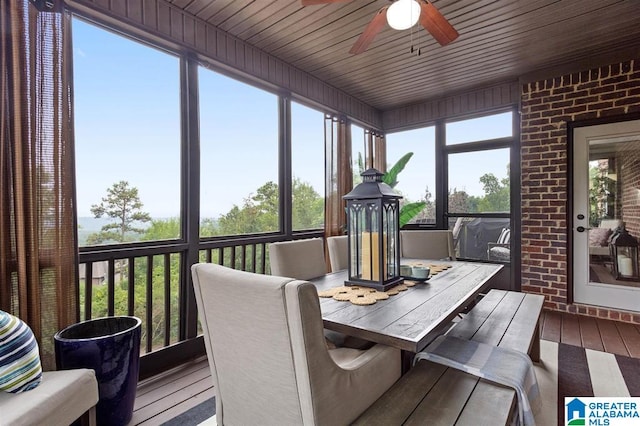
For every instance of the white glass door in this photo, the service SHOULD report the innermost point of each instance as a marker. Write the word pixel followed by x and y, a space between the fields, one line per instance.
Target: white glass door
pixel 606 196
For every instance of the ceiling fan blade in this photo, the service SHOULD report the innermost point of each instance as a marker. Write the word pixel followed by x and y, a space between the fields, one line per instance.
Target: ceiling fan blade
pixel 434 22
pixel 370 32
pixel 314 2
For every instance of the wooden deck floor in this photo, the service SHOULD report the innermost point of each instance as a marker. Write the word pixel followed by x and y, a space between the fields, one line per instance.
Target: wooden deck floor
pixel 164 397
pixel 593 333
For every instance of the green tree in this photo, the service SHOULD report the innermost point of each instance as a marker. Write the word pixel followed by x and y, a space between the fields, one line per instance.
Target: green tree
pixel 162 229
pixel 122 204
pixel 460 202
pixel 601 192
pixel 260 212
pixel 308 206
pixel 496 194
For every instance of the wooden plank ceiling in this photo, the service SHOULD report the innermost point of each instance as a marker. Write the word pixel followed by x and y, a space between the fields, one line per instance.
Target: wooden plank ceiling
pixel 500 40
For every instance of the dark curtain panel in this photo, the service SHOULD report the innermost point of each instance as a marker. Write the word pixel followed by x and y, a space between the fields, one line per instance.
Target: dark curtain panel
pixel 338 174
pixel 38 246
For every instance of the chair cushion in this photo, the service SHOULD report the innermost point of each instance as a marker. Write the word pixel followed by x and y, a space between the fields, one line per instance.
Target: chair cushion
pixel 599 237
pixel 500 253
pixel 61 398
pixel 20 368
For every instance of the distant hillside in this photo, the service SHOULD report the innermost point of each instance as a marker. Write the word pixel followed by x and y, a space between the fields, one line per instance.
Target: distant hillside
pixel 91 225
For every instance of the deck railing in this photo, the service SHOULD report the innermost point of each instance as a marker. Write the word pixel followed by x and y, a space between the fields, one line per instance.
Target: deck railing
pixel 152 281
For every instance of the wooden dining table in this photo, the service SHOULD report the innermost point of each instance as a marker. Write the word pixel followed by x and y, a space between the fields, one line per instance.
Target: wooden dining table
pixel 411 319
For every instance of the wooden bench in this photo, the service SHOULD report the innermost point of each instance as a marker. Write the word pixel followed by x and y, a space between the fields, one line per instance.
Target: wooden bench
pixel 436 395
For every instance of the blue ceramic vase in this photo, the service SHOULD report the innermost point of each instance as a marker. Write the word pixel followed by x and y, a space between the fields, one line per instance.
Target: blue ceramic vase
pixel 111 347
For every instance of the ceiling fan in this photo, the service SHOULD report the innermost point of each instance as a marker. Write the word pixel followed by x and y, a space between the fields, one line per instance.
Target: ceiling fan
pixel 401 15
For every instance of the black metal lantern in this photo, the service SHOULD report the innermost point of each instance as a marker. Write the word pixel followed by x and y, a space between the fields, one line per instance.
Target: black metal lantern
pixel 624 255
pixel 373 230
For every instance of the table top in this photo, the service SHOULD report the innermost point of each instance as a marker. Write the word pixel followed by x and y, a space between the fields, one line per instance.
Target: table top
pixel 411 319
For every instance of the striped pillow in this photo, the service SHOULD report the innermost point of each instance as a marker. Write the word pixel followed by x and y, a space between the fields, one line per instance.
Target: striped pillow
pixel 505 236
pixel 20 368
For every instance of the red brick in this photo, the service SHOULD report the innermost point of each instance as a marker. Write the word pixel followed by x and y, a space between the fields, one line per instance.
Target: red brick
pixel 628 100
pixel 600 105
pixel 612 112
pixel 561 104
pixel 586 100
pixel 613 95
pixel 585 116
pixel 602 89
pixel 563 90
pixel 614 80
pixel 575 109
pixel 628 84
pixel 578 94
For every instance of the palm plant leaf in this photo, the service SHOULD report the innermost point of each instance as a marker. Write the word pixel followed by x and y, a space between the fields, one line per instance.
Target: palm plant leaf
pixel 409 211
pixel 391 177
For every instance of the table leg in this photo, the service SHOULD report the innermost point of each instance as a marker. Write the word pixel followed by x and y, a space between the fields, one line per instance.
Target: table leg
pixel 407 360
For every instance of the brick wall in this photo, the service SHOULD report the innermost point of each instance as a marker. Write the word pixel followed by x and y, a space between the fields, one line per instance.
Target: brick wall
pixel 546 107
pixel 629 160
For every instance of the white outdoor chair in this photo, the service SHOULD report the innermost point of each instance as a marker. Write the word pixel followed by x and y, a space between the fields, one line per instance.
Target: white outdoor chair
pixel 338 248
pixel 268 358
pixel 428 244
pixel 501 249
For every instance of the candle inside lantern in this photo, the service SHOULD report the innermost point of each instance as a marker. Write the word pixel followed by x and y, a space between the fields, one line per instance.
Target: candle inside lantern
pixel 371 256
pixel 625 266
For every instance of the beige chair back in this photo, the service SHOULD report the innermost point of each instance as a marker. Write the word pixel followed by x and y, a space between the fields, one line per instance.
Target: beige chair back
pixel 300 259
pixel 338 252
pixel 429 244
pixel 268 358
pixel 610 223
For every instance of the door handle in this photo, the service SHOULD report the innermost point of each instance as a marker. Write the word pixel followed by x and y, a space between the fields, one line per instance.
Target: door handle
pixel 582 229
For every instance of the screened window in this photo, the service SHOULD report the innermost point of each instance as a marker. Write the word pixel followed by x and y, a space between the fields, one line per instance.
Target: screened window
pixel 307 164
pixel 239 191
pixel 479 186
pixel 482 128
pixel 416 183
pixel 127 138
pixel 479 181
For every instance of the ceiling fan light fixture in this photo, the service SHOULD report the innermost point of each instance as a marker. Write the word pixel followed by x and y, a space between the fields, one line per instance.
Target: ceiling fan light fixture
pixel 403 14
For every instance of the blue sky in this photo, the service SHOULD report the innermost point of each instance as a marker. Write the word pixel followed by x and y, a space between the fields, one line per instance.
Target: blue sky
pixel 127 127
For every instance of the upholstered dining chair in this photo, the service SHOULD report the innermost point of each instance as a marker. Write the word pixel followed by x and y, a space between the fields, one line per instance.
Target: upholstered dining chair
pixel 269 362
pixel 304 260
pixel 300 259
pixel 338 252
pixel 427 244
